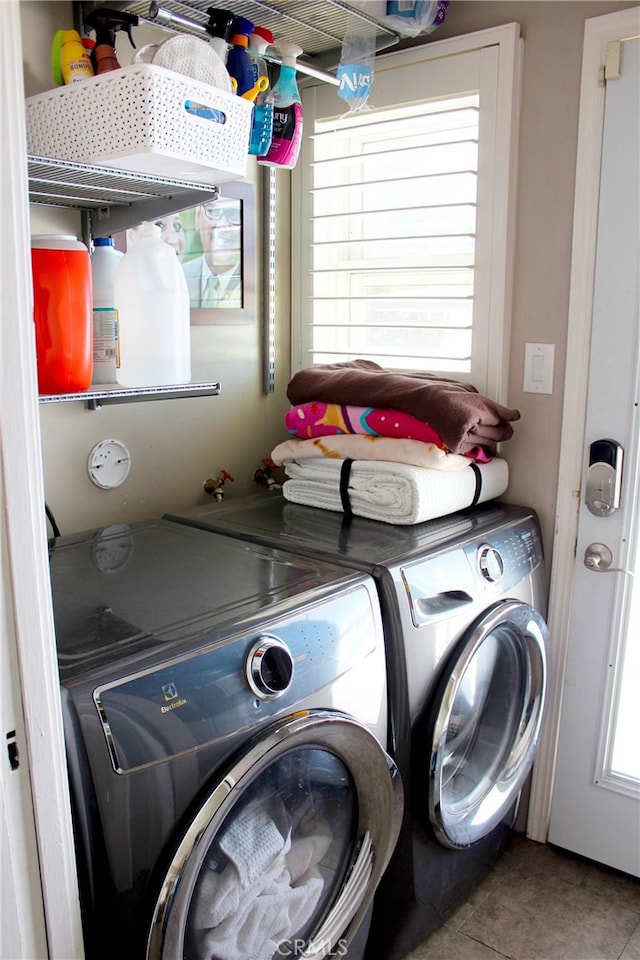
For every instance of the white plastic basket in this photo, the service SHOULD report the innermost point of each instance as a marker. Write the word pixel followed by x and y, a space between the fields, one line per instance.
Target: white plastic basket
pixel 138 119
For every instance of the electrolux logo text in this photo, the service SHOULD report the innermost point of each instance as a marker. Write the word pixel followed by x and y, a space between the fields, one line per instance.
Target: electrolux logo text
pixel 170 694
pixel 173 706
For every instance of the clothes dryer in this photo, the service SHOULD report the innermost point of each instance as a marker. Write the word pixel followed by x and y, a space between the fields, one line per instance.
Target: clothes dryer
pixel 225 716
pixel 467 647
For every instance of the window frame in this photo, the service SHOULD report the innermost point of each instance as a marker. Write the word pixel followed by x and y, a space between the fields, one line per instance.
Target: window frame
pixel 499 70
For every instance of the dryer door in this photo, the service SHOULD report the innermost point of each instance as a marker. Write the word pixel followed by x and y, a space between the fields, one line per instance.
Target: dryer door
pixel 487 716
pixel 283 856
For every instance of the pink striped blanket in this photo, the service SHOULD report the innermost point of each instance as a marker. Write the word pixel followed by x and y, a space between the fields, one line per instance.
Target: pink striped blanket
pixel 317 419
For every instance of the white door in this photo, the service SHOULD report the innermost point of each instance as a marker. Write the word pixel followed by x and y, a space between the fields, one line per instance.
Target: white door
pixel 595 809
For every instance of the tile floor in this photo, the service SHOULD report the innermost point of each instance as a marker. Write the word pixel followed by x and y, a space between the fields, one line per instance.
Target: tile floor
pixel 542 903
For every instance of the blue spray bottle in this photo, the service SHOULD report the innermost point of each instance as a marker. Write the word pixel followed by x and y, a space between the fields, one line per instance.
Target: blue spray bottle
pixel 262 120
pixel 239 63
pixel 287 112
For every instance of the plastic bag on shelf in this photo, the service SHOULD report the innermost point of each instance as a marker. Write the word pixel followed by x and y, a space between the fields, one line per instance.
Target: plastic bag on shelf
pixel 355 71
pixel 411 18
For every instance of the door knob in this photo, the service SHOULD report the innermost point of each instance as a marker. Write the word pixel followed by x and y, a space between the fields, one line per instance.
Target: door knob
pixel 598 557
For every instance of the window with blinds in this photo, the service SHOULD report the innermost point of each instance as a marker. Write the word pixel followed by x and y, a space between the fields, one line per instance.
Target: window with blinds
pixel 393 236
pixel 402 215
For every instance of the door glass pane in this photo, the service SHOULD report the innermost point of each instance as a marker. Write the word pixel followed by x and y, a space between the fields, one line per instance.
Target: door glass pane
pixel 625 759
pixel 278 861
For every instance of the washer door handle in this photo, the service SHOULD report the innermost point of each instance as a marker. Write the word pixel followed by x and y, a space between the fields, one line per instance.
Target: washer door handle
pixel 444 602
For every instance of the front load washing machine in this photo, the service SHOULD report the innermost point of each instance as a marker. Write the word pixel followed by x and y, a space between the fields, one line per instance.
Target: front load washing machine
pixel 467 657
pixel 225 712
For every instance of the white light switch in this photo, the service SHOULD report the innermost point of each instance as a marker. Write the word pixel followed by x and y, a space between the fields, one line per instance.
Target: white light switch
pixel 538 367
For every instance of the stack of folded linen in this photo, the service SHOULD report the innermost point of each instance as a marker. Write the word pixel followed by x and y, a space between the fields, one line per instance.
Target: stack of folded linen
pixel 398 447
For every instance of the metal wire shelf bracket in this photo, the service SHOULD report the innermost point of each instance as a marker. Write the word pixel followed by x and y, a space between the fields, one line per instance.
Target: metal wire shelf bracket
pixel 269 199
pixel 318 27
pixel 96 397
pixel 114 199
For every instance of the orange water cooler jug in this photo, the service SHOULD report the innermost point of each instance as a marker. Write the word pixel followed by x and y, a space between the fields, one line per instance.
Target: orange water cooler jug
pixel 62 312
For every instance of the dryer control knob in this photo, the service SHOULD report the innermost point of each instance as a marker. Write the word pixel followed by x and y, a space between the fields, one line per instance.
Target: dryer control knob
pixel 490 563
pixel 269 668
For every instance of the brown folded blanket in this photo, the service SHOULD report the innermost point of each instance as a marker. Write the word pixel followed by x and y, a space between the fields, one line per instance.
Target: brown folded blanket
pixel 461 415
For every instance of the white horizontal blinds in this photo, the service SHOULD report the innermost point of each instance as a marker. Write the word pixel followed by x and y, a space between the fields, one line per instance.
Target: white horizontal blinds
pixel 402 216
pixel 393 219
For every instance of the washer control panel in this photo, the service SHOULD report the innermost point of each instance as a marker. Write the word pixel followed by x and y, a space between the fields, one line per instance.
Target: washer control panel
pixel 230 683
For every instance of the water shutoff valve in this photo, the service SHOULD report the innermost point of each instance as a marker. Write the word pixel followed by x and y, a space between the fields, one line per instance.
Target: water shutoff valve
pixel 215 486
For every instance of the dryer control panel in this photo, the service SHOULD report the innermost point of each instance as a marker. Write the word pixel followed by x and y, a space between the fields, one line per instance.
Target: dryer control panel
pixel 508 555
pixel 447 583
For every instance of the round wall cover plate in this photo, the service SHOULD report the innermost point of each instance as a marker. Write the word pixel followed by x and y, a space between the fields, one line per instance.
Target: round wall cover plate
pixel 108 464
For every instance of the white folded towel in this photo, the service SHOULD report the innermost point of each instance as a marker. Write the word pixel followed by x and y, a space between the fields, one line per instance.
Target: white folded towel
pixel 393 492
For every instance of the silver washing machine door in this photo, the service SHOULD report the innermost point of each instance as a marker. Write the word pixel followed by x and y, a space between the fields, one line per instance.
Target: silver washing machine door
pixel 284 854
pixel 488 713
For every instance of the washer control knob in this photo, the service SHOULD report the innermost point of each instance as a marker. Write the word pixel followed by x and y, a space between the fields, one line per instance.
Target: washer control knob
pixel 490 563
pixel 269 668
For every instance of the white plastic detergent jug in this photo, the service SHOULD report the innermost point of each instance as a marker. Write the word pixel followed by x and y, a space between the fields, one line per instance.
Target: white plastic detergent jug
pixel 105 260
pixel 152 300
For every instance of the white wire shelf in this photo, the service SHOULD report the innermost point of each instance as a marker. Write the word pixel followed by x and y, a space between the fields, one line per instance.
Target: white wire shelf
pixel 97 396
